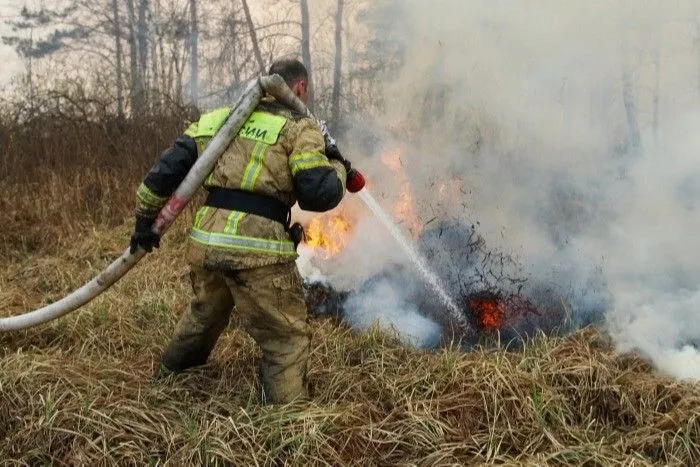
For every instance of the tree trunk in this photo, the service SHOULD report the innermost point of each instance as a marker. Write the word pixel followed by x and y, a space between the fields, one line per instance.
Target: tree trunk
pixel 118 44
pixel 135 94
pixel 194 67
pixel 156 94
pixel 143 51
pixel 234 58
pixel 337 67
pixel 306 49
pixel 253 37
pixel 178 70
pixel 165 74
pixel 30 76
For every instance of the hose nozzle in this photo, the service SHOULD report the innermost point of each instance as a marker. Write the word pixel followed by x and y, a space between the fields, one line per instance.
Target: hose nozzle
pixel 355 181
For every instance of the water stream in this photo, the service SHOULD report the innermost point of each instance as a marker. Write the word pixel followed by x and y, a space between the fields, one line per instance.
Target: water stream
pixel 418 261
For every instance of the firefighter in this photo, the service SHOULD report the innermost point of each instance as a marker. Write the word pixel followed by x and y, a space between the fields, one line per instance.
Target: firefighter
pixel 241 253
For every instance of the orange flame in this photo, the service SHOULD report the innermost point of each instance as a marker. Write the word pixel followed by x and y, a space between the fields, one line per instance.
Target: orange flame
pixel 392 159
pixel 490 312
pixel 493 311
pixel 404 207
pixel 328 233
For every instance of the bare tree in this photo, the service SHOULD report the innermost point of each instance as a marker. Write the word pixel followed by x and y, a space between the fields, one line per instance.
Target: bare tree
pixel 337 67
pixel 306 48
pixel 143 52
pixel 173 44
pixel 152 44
pixel 253 37
pixel 194 67
pixel 159 39
pixel 137 56
pixel 118 47
pixel 136 93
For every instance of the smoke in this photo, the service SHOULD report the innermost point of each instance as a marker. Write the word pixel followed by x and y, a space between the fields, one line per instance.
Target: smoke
pixel 382 303
pixel 654 258
pixel 544 115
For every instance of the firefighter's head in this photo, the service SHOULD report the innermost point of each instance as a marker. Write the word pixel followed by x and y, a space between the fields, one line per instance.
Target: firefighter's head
pixel 294 74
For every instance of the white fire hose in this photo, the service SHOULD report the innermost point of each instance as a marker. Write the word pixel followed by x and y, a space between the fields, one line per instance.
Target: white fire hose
pixel 247 102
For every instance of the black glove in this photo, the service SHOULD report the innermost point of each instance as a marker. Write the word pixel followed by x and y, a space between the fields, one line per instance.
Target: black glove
pixel 143 235
pixel 333 153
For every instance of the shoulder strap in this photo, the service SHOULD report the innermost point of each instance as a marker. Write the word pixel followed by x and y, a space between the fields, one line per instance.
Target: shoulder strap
pixel 209 123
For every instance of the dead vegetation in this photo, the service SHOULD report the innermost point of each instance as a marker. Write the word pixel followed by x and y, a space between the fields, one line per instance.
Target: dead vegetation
pixel 80 390
pixel 61 176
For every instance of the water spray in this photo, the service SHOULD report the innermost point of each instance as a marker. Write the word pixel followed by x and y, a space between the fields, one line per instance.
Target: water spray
pixel 457 317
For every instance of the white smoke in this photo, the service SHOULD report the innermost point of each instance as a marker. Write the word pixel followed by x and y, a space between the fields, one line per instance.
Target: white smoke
pixel 383 304
pixel 654 259
pixel 523 103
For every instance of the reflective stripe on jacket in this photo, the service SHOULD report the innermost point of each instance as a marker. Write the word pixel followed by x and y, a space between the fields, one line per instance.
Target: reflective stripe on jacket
pixel 277 154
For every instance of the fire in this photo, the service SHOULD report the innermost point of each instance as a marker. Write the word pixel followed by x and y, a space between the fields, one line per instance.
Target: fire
pixel 404 211
pixel 392 159
pixel 489 312
pixel 329 233
pixel 404 207
pixel 493 311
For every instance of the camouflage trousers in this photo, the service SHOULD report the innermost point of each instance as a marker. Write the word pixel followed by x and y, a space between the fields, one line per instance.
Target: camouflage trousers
pixel 271 307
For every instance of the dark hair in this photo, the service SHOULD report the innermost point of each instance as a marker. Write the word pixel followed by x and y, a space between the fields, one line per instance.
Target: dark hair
pixel 290 69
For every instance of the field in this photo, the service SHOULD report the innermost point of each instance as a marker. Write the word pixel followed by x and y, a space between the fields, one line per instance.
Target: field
pixel 80 390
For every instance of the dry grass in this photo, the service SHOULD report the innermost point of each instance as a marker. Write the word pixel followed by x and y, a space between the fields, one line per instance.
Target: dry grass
pixel 61 177
pixel 80 390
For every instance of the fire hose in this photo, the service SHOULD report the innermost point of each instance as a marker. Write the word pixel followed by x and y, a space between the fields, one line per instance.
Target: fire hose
pixel 244 107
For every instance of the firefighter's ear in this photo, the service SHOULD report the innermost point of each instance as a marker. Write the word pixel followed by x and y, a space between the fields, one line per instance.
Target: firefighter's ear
pixel 299 88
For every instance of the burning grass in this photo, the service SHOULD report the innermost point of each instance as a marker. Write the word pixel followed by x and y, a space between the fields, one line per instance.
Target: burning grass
pixel 328 233
pixel 80 391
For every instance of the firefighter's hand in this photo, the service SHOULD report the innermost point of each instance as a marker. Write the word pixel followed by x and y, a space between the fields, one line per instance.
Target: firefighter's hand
pixel 143 236
pixel 333 153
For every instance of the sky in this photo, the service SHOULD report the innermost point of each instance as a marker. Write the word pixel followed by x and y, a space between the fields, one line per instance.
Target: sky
pixel 11 64
pixel 9 9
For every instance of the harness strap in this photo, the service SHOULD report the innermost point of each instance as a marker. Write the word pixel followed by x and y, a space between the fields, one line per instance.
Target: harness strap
pixel 249 203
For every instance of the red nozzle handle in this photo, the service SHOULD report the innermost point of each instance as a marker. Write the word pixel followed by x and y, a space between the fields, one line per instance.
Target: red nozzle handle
pixel 355 181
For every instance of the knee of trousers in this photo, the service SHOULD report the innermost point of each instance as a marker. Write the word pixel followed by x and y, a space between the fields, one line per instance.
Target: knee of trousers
pixel 195 338
pixel 182 354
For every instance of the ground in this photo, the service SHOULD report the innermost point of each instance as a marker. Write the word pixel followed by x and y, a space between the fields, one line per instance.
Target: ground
pixel 80 389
